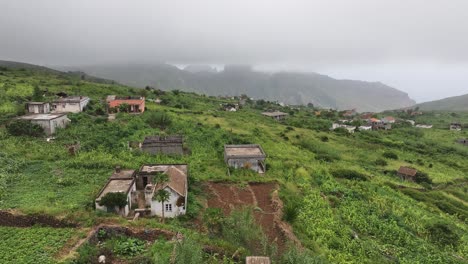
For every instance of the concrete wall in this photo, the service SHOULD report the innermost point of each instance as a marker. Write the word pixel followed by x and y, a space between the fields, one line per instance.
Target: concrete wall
pixel 253 164
pixel 176 211
pixel 39 109
pixel 70 107
pixel 50 126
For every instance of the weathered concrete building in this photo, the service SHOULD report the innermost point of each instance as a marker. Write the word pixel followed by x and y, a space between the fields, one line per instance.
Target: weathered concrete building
pixel 176 186
pixel 456 126
pixel 257 260
pixel 49 122
pixel 275 115
pixel 121 181
pixel 70 104
pixel 170 145
pixel 245 156
pixel 38 107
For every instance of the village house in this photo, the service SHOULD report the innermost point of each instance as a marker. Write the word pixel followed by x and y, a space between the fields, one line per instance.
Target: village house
pixel 70 104
pixel 121 181
pixel 257 260
pixel 350 113
pixel 407 173
pixel 49 122
pixel 365 128
pixel 456 126
pixel 176 186
pixel 275 115
pixel 163 145
pixel 229 107
pixel 367 115
pixel 135 104
pixel 423 126
pixel 38 107
pixel 350 129
pixel 388 120
pixel 245 156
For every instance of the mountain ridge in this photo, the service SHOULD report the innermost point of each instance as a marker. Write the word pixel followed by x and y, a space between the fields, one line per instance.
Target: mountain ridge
pixel 287 87
pixel 453 103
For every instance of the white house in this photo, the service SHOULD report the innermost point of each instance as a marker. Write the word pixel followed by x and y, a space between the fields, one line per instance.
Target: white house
pixel 71 104
pixel 122 181
pixel 350 129
pixel 38 107
pixel 412 122
pixel 49 122
pixel 176 186
pixel 388 120
pixel 365 128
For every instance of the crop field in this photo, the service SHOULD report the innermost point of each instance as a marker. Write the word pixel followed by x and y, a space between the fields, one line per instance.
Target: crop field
pixel 33 244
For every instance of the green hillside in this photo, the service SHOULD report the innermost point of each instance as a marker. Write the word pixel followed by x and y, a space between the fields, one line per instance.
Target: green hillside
pixel 455 103
pixel 340 192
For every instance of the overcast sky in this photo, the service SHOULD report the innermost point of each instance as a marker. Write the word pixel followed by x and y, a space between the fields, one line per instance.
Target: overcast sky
pixel 418 46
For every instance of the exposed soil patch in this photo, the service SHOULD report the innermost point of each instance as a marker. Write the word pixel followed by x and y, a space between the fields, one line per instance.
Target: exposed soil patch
pixel 258 195
pixel 16 220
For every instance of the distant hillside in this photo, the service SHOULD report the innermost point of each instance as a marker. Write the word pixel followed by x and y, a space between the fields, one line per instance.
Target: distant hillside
pixel 288 87
pixel 456 103
pixel 82 75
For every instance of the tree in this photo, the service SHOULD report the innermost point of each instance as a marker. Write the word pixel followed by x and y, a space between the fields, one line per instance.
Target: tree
pixel 124 107
pixel 158 119
pixel 37 93
pixel 162 196
pixel 114 199
pixel 24 128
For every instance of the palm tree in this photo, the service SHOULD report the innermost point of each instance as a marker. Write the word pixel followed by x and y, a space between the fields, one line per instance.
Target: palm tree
pixel 162 196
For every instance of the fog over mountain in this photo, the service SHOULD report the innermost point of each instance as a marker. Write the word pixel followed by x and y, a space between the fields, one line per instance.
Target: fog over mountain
pixel 416 46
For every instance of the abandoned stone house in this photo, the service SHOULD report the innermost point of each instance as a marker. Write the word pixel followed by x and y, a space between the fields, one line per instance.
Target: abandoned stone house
pixel 245 156
pixel 407 173
pixel 121 181
pixel 230 107
pixel 38 107
pixel 177 186
pixel 463 141
pixel 456 126
pixel 277 115
pixel 49 122
pixel 257 260
pixel 70 104
pixel 135 104
pixel 170 145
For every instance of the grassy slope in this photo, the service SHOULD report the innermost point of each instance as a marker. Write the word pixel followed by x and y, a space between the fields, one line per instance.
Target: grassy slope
pixel 341 220
pixel 456 103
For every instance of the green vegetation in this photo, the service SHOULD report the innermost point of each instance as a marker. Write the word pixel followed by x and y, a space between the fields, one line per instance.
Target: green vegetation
pixel 112 200
pixel 24 128
pixel 341 193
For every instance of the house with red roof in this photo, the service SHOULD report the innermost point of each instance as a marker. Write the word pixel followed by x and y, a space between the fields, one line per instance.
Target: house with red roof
pixel 135 104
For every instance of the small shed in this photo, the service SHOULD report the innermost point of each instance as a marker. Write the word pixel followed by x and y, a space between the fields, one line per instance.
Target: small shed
pixel 245 156
pixel 407 173
pixel 121 181
pixel 170 145
pixel 49 122
pixel 257 260
pixel 275 115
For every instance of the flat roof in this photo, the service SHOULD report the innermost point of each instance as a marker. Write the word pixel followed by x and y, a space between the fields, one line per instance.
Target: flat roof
pixel 150 168
pixel 41 116
pixel 276 113
pixel 116 185
pixel 36 103
pixel 123 174
pixel 243 150
pixel 71 99
pixel 257 260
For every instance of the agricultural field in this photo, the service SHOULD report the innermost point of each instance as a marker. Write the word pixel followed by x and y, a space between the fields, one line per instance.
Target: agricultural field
pixel 340 191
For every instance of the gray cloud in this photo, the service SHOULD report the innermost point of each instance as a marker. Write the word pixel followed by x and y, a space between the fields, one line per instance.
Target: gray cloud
pixel 319 34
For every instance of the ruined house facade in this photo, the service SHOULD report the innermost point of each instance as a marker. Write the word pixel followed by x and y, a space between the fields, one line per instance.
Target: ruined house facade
pixel 38 107
pixel 49 122
pixel 121 181
pixel 170 145
pixel 245 156
pixel 70 104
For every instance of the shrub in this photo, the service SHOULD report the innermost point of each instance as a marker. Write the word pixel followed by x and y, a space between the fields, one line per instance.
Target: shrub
pixel 422 177
pixel 324 138
pixel 24 128
pixel 295 256
pixel 349 174
pixel 129 246
pixel 114 199
pixel 158 119
pixel 188 251
pixel 381 162
pixel 443 234
pixel 390 155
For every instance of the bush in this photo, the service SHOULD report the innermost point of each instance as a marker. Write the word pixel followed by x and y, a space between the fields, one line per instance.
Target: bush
pixel 24 128
pixel 129 246
pixel 443 234
pixel 390 155
pixel 114 199
pixel 381 162
pixel 422 177
pixel 349 174
pixel 158 119
pixel 188 251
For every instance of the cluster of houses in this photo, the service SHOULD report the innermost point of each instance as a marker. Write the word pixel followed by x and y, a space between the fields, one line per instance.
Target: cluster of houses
pixel 141 186
pixel 370 123
pixel 51 116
